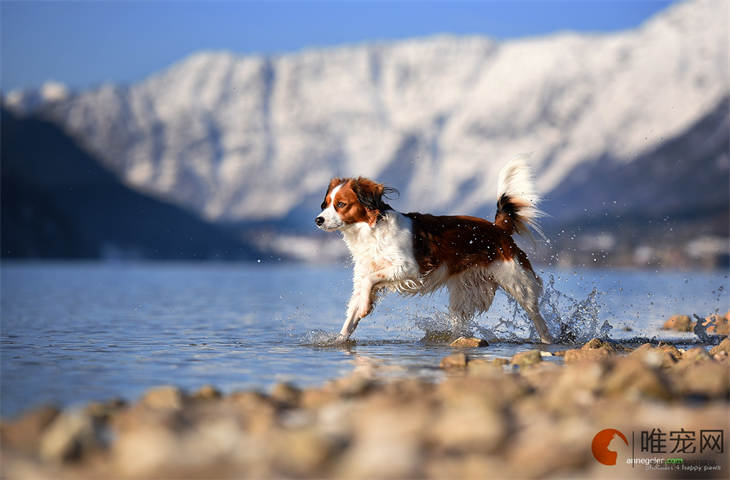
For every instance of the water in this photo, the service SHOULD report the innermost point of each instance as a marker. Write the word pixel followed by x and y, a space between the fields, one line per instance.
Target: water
pixel 74 332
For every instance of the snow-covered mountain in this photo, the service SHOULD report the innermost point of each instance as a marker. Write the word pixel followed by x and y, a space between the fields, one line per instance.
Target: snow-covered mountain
pixel 245 138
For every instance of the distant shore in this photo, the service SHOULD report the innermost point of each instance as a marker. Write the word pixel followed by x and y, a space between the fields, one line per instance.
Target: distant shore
pixel 521 417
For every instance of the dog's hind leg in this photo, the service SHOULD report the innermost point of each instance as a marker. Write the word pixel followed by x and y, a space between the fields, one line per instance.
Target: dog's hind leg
pixel 521 282
pixel 467 297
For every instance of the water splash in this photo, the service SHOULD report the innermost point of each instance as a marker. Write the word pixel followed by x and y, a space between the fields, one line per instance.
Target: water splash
pixel 321 338
pixel 570 320
pixel 438 327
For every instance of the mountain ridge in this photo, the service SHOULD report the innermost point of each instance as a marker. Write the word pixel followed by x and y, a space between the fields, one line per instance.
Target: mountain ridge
pixel 251 141
pixel 218 132
pixel 59 202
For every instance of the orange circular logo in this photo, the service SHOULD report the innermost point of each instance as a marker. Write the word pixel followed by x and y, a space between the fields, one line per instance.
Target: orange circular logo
pixel 599 447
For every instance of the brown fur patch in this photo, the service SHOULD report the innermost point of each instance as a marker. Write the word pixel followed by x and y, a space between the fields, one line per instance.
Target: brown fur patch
pixel 460 242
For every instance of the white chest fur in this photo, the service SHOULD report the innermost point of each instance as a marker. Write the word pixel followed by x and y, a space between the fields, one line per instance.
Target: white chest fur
pixel 386 247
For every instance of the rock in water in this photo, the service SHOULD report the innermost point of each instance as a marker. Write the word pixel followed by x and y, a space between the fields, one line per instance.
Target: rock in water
pixel 468 342
pixel 455 360
pixel 25 434
pixel 724 346
pixel 69 436
pixel 680 323
pixel 524 359
pixel 167 396
pixel 286 393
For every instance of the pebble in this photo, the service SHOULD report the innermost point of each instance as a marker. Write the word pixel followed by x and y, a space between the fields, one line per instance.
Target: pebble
pixel 471 342
pixel 517 422
pixel 679 323
pixel 286 393
pixel 70 435
pixel 723 346
pixel 525 359
pixel 455 360
pixel 166 396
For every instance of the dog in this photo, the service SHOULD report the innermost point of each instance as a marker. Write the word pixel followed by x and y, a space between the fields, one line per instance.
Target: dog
pixel 418 253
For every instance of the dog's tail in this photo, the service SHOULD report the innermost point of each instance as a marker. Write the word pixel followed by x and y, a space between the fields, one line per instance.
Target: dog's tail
pixel 517 200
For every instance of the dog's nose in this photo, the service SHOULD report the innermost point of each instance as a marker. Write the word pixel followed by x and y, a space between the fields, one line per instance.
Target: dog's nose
pixel 319 220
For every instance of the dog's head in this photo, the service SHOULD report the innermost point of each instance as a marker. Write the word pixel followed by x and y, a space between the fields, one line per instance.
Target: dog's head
pixel 352 200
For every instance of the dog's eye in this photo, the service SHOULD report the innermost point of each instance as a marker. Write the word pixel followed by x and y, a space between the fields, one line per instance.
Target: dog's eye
pixel 323 206
pixel 340 204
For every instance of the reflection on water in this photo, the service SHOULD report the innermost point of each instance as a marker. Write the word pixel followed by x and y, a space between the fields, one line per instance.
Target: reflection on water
pixel 76 332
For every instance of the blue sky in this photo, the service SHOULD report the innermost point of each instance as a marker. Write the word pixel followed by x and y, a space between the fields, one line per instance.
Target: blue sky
pixel 87 43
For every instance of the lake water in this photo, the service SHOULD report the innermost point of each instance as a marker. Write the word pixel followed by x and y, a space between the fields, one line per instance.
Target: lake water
pixel 74 332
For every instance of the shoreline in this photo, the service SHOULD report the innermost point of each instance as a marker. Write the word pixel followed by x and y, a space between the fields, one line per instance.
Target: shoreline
pixel 521 418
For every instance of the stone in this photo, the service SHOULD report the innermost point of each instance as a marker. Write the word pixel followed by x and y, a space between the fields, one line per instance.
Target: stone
pixel 70 436
pixel 635 378
pixel 300 452
pixel 469 424
pixel 468 342
pixel 525 359
pixel 354 385
pixel 671 350
pixel 680 323
pixel 497 390
pixel 286 393
pixel 24 434
pixel 721 357
pixel 257 409
pixel 104 410
pixel 705 379
pixel 696 354
pixel 372 458
pixel 480 366
pixel 500 362
pixel 653 356
pixel 717 324
pixel 577 384
pixel 723 346
pixel 455 360
pixel 589 355
pixel 165 397
pixel 317 397
pixel 535 457
pixel 143 451
pixel 387 434
pixel 207 392
pixel 597 343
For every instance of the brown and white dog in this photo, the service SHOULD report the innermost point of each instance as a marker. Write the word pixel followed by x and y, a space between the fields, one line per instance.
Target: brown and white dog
pixel 417 253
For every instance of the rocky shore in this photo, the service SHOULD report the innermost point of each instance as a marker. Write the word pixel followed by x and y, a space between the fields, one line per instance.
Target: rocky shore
pixel 525 417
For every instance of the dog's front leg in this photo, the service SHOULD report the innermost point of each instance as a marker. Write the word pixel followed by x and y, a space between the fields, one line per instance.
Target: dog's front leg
pixel 370 283
pixel 366 298
pixel 351 319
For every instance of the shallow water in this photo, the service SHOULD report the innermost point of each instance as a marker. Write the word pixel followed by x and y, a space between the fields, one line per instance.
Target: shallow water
pixel 74 332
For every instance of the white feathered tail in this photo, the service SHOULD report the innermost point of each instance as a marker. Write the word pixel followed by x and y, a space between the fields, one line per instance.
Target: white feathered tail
pixel 517 200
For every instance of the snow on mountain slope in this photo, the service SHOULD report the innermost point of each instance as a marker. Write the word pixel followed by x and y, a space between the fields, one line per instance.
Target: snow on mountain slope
pixel 248 138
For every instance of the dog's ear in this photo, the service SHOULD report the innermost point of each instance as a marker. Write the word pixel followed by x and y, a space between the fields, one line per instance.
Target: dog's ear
pixel 370 194
pixel 333 183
